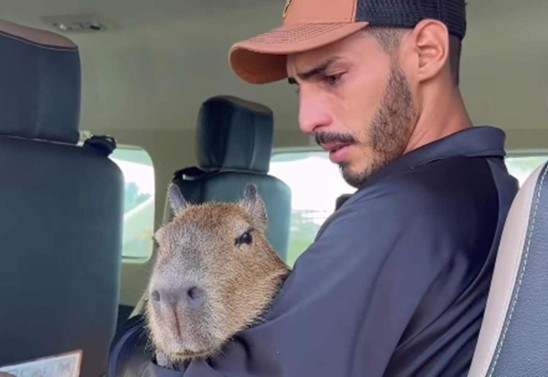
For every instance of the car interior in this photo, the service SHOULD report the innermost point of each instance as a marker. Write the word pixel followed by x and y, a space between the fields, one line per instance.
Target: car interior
pixel 75 102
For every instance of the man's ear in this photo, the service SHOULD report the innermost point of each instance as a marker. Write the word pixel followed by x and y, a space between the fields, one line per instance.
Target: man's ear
pixel 430 40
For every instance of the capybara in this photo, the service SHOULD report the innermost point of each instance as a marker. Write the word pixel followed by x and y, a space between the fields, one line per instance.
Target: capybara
pixel 215 273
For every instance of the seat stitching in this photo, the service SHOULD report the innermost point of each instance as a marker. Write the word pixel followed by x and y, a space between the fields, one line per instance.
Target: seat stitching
pixel 521 276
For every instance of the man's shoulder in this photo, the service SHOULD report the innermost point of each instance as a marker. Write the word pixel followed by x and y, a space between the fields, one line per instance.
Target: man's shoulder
pixel 434 190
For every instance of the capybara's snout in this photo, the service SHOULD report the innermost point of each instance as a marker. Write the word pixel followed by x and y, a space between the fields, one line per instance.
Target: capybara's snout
pixel 186 296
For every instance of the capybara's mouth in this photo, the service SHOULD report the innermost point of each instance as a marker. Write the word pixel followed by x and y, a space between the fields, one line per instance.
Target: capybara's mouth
pixel 187 354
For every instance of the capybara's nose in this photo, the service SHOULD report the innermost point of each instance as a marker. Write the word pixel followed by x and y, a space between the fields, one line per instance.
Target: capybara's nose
pixel 195 296
pixel 192 297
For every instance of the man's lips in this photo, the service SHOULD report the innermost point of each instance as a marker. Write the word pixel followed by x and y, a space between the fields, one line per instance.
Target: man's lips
pixel 333 147
pixel 337 151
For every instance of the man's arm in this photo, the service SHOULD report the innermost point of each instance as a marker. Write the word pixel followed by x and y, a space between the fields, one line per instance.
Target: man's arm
pixel 349 298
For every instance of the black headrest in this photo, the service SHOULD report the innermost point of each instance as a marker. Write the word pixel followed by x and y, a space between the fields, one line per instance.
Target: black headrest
pixel 39 84
pixel 234 134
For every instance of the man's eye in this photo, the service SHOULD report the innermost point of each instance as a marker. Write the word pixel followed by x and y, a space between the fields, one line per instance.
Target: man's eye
pixel 244 239
pixel 333 80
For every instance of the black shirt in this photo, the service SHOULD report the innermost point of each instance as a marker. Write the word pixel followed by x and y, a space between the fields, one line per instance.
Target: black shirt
pixel 396 282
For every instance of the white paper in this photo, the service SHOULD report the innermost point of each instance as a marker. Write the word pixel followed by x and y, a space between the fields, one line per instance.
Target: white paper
pixel 66 365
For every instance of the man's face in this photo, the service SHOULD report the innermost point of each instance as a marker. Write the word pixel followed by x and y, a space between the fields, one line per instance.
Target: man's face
pixel 356 100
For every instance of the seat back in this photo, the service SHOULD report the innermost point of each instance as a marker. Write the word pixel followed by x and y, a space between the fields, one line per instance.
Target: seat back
pixel 234 144
pixel 513 340
pixel 61 211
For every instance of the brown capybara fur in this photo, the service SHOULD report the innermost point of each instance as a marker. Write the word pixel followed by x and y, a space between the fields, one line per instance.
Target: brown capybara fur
pixel 214 275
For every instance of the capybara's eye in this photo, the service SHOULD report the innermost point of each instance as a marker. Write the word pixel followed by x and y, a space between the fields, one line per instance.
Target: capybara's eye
pixel 245 238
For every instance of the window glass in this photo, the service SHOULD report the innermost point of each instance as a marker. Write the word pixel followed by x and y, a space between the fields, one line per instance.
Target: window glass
pixel 521 166
pixel 316 183
pixel 138 170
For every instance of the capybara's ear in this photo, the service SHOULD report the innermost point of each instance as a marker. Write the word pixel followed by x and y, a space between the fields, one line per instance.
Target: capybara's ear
pixel 251 193
pixel 254 205
pixel 177 202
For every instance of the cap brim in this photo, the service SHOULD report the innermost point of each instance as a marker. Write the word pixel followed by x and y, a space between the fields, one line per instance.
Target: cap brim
pixel 262 59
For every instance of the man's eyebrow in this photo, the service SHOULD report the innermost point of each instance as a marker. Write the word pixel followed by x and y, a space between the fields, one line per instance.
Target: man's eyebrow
pixel 313 72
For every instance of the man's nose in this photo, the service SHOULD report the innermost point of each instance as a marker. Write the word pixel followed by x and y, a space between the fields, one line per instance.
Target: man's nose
pixel 313 113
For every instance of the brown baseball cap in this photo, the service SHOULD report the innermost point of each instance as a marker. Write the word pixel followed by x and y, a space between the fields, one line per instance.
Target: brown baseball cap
pixel 310 24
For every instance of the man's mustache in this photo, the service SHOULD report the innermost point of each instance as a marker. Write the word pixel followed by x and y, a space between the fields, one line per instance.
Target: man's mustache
pixel 334 137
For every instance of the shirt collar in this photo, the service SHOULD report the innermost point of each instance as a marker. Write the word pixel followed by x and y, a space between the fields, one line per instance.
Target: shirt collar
pixel 484 141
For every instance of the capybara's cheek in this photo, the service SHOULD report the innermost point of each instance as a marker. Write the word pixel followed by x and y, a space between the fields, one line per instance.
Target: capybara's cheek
pixel 224 314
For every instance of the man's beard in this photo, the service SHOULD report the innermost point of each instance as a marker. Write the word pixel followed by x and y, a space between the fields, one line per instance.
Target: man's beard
pixel 389 132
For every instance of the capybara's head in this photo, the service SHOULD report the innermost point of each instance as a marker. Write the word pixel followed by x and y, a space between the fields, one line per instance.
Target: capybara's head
pixel 214 275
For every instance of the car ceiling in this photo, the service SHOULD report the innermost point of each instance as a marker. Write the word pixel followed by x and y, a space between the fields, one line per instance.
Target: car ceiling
pixel 162 58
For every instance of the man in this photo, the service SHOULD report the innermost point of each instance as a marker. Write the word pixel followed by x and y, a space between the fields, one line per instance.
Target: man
pixel 395 283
